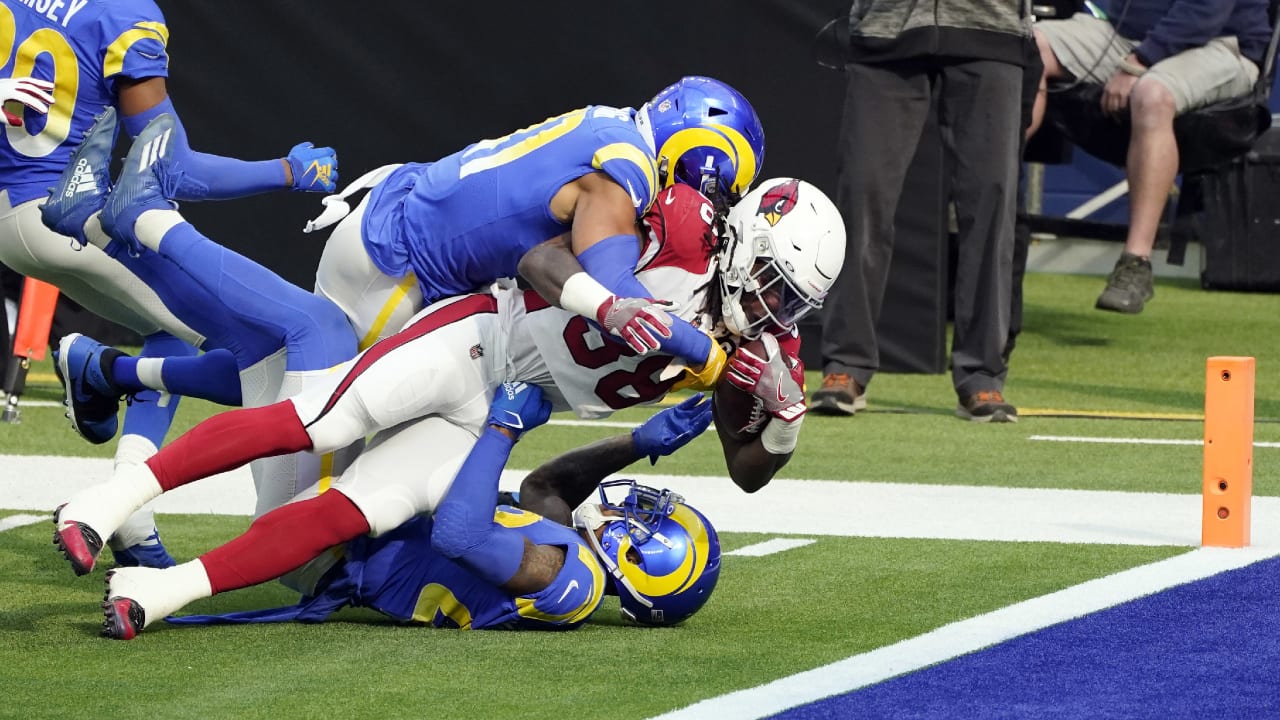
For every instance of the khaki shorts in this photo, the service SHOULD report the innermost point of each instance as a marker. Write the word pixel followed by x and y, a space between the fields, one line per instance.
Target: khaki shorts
pixel 1090 48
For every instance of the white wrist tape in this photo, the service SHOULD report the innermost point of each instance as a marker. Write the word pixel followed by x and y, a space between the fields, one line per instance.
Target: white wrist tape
pixel 779 437
pixel 583 294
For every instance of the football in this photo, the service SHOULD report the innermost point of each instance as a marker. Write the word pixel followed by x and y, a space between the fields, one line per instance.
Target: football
pixel 739 413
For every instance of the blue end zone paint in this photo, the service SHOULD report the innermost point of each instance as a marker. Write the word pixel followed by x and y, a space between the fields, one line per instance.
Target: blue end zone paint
pixel 1209 649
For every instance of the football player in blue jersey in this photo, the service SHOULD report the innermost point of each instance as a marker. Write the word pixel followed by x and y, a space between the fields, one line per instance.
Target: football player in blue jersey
pixel 425 392
pixel 263 337
pixel 31 92
pixel 472 567
pixel 432 230
pixel 110 55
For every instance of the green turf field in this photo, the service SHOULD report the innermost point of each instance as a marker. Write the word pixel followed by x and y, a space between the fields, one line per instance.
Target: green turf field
pixel 771 616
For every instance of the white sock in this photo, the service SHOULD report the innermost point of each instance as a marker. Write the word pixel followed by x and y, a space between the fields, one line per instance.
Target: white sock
pixel 106 506
pixel 94 233
pixel 150 373
pixel 161 592
pixel 136 530
pixel 151 226
pixel 134 449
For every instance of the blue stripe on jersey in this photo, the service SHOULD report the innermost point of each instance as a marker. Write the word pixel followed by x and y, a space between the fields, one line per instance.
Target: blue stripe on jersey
pixel 82 47
pixel 467 219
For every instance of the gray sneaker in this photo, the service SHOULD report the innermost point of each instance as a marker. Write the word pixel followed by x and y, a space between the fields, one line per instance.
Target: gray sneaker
pixel 1129 287
pixel 840 395
pixel 986 406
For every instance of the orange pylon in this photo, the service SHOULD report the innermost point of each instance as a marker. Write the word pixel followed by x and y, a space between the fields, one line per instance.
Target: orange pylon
pixel 1228 451
pixel 30 338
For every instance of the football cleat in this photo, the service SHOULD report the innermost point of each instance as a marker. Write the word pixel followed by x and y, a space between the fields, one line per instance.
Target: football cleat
pixel 123 617
pixel 79 543
pixel 83 366
pixel 85 183
pixel 148 553
pixel 147 182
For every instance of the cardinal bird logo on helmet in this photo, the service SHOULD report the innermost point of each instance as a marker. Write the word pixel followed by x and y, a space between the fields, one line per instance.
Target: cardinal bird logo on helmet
pixel 779 201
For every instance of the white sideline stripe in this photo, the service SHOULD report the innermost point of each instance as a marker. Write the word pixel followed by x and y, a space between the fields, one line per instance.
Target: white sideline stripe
pixel 17 521
pixel 965 636
pixel 594 423
pixel 769 547
pixel 22 404
pixel 1134 441
pixel 563 423
pixel 783 507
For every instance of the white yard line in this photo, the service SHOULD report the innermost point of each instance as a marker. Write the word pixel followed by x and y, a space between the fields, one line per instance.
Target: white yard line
pixel 769 547
pixel 1133 441
pixel 851 509
pixel 784 507
pixel 17 521
pixel 965 636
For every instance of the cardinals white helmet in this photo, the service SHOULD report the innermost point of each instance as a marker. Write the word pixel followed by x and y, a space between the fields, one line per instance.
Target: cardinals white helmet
pixel 785 247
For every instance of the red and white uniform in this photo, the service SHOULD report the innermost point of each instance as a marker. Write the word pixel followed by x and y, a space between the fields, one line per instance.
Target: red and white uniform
pixel 577 367
pixel 426 390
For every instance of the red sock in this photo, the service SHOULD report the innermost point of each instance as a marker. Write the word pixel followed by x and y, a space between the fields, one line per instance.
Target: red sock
pixel 228 440
pixel 283 540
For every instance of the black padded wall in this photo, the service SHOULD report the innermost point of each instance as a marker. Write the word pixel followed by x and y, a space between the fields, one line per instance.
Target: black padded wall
pixel 399 80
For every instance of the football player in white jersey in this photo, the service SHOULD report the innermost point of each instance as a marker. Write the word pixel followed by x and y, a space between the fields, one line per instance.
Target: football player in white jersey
pixel 529 564
pixel 425 391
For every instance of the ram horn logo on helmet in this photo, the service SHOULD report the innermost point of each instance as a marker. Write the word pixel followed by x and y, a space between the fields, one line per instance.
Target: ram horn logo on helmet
pixel 779 201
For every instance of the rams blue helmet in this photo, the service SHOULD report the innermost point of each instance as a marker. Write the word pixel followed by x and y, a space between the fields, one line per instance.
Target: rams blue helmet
pixel 663 555
pixel 706 135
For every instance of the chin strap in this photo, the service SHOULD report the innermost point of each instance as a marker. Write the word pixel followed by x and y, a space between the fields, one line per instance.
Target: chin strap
pixel 336 207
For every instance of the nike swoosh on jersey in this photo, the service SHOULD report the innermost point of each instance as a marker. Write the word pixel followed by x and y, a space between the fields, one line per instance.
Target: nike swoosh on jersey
pixel 573 585
pixel 635 199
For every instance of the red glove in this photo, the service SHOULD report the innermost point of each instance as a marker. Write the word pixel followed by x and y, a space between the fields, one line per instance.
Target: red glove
pixel 35 94
pixel 640 322
pixel 777 379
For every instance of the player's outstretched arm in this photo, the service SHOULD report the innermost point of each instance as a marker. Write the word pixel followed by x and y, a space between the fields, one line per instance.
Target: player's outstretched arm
pixel 776 377
pixel 594 275
pixel 464 527
pixel 214 177
pixel 751 466
pixel 558 486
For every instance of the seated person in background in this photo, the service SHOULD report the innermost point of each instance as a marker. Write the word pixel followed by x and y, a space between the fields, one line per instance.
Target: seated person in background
pixel 472 567
pixel 1156 59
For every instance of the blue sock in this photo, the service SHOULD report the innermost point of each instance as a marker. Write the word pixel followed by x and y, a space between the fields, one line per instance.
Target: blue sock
pixel 146 414
pixel 124 373
pixel 212 376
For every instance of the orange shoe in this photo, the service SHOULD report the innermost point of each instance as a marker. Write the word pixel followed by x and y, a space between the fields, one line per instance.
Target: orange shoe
pixel 987 406
pixel 840 394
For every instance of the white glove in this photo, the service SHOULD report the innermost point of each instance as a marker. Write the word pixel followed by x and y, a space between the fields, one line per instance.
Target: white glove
pixel 777 379
pixel 642 323
pixel 35 94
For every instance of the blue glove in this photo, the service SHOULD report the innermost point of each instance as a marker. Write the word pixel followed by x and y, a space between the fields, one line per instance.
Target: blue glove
pixel 314 169
pixel 673 428
pixel 519 407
